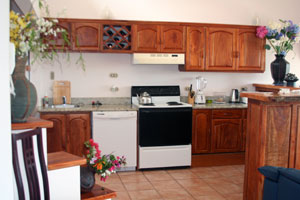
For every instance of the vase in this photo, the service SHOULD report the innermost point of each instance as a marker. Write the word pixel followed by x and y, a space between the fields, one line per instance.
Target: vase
pixel 87 179
pixel 24 101
pixel 279 68
pixel 291 83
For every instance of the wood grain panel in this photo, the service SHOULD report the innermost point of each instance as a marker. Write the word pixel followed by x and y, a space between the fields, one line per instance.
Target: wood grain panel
pixel 86 36
pixel 78 131
pixel 60 89
pixel 147 38
pixel 194 57
pixel 173 39
pixel 61 159
pixel 278 135
pixel 297 139
pixel 220 49
pixel 251 55
pixel 226 135
pixel 201 131
pixel 56 136
pixel 227 114
pixel 58 42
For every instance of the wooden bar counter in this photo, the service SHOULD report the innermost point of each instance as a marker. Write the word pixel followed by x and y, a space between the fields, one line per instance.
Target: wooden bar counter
pixel 272 136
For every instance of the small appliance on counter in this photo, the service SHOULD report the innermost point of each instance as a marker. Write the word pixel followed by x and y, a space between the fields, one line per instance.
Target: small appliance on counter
pixel 235 96
pixel 244 99
pixel 201 84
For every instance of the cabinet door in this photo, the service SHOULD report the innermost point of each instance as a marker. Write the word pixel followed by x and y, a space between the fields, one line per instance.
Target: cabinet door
pixel 201 131
pixel 226 135
pixel 56 136
pixel 58 42
pixel 86 36
pixel 78 131
pixel 251 52
pixel 173 38
pixel 147 38
pixel 220 49
pixel 194 57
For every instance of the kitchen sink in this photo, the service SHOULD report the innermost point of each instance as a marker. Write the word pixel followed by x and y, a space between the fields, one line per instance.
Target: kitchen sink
pixel 64 106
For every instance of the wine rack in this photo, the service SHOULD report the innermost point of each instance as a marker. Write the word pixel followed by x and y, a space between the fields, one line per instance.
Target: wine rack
pixel 116 38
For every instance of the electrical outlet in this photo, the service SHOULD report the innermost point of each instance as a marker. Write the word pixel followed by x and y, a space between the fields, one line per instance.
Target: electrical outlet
pixel 187 88
pixel 52 75
pixel 113 75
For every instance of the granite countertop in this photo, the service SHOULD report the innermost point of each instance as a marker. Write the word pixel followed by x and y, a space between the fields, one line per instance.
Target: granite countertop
pixel 129 107
pixel 273 97
pixel 89 108
pixel 220 106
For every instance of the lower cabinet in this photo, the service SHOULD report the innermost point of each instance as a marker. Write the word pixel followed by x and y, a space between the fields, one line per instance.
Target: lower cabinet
pixel 218 130
pixel 69 132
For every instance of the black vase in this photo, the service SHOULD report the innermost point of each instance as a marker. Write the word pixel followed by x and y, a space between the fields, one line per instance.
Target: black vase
pixel 24 102
pixel 279 68
pixel 87 179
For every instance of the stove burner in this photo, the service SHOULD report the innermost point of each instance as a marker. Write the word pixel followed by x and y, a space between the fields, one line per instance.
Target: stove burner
pixel 148 104
pixel 174 103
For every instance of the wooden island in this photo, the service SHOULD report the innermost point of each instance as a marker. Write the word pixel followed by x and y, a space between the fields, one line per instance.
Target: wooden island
pixel 272 136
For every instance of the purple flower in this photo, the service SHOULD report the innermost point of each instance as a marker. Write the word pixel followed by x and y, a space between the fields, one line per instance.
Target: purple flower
pixel 278 36
pixel 261 31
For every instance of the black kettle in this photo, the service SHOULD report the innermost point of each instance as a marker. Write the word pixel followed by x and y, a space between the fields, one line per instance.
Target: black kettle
pixel 235 96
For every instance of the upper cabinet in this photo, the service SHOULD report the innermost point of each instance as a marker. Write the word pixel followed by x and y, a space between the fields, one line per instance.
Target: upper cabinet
pixel 224 49
pixel 116 38
pixel 86 36
pixel 159 38
pixel 195 40
pixel 59 41
pixel 220 49
pixel 251 55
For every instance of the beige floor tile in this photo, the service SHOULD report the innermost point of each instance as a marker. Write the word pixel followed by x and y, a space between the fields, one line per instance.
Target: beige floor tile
pixel 224 186
pixel 129 173
pixel 122 196
pixel 187 174
pixel 162 185
pixel 237 179
pixel 138 186
pixel 200 190
pixel 133 178
pixel 144 195
pixel 118 187
pixel 230 172
pixel 174 194
pixel 186 183
pixel 145 172
pixel 201 169
pixel 238 196
pixel 158 177
pixel 215 196
pixel 179 170
pixel 207 174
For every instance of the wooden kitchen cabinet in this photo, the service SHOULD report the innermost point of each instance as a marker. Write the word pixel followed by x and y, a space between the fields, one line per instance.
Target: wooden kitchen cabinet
pixel 195 49
pixel 59 42
pixel 201 138
pixel 159 38
pixel 69 132
pixel 251 52
pixel 218 130
pixel 220 49
pixel 86 36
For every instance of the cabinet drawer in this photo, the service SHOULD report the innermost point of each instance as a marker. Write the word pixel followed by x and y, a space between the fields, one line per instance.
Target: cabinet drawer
pixel 227 114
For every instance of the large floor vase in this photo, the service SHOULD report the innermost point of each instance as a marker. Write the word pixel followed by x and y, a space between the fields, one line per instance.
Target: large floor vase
pixel 279 68
pixel 24 102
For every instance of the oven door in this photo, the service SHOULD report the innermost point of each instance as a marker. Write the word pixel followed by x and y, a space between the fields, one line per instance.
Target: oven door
pixel 165 126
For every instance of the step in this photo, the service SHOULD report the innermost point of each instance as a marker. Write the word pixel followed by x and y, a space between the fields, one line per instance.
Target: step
pixel 98 193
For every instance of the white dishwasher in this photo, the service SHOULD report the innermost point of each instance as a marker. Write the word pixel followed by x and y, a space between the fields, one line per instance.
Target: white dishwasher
pixel 116 132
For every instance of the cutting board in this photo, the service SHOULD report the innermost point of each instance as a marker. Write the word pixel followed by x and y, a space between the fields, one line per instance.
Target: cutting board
pixel 60 89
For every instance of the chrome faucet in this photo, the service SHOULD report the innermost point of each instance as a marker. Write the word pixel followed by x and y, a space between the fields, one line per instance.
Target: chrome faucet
pixel 64 100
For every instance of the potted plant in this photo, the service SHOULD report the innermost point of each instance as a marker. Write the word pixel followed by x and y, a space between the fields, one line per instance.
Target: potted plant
pixel 291 79
pixel 103 165
pixel 281 36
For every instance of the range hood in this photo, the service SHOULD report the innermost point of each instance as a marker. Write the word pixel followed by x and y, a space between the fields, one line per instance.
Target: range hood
pixel 158 58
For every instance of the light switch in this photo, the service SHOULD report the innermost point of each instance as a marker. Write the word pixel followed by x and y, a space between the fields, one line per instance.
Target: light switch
pixel 113 75
pixel 52 75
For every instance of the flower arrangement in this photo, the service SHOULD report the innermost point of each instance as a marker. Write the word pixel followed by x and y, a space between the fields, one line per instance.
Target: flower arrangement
pixel 30 33
pixel 281 36
pixel 103 165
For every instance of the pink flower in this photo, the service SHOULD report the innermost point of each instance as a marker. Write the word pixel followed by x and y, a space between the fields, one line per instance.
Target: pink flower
pixel 96 145
pixel 87 151
pixel 92 142
pixel 112 168
pixel 118 158
pixel 261 31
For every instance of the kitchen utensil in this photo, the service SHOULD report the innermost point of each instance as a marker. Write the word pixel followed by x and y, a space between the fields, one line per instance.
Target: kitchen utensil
pixel 201 84
pixel 144 98
pixel 60 89
pixel 235 96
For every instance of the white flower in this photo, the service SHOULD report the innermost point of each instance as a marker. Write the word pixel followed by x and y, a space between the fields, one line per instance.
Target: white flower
pixel 108 172
pixel 275 25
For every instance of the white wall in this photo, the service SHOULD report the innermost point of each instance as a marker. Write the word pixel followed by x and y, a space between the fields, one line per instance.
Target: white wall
pixel 6 173
pixel 95 81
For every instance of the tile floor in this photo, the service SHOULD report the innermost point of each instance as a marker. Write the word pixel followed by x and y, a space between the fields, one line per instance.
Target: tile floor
pixel 204 183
